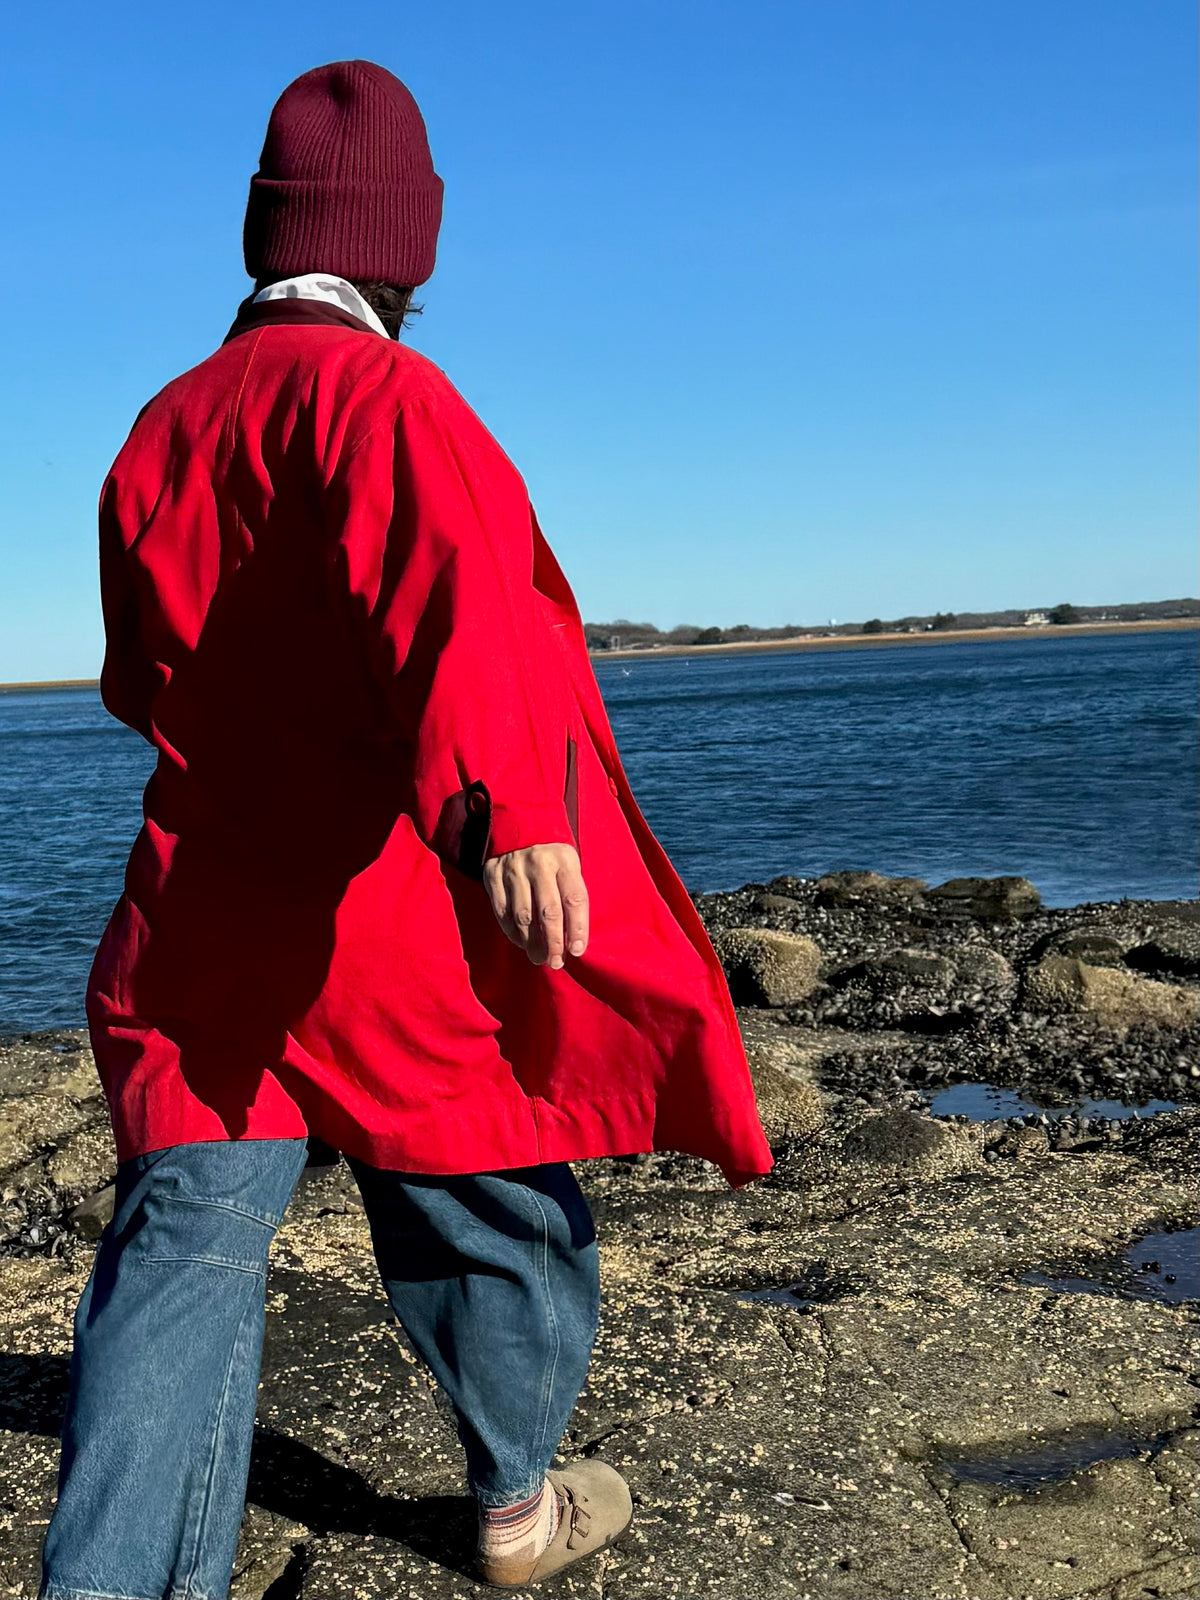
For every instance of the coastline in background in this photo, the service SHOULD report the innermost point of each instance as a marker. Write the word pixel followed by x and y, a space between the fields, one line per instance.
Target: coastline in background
pixel 855 641
pixel 786 646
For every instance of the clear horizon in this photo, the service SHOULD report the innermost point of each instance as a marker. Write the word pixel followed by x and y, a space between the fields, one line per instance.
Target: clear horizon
pixel 854 311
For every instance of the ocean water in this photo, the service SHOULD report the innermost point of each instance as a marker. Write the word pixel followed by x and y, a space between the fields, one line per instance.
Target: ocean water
pixel 1073 762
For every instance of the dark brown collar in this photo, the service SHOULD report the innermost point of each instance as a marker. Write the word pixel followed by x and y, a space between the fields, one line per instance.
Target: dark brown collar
pixel 276 313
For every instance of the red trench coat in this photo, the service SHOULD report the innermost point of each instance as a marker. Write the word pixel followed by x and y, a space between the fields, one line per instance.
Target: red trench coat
pixel 329 607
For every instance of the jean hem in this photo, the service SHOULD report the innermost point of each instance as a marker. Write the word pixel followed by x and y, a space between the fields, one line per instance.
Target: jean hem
pixel 57 1592
pixel 494 1500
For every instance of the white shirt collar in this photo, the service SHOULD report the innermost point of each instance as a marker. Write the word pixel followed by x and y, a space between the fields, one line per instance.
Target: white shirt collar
pixel 321 286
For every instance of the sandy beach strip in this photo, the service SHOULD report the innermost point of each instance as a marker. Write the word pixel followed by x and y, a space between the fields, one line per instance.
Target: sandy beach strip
pixel 52 683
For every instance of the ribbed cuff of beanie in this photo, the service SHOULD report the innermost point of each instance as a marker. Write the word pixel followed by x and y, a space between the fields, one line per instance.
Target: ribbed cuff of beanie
pixel 379 232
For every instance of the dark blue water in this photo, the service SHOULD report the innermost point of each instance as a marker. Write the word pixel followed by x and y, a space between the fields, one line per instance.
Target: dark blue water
pixel 1073 762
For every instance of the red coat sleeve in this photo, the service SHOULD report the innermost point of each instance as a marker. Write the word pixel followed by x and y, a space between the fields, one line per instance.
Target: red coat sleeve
pixel 127 679
pixel 437 554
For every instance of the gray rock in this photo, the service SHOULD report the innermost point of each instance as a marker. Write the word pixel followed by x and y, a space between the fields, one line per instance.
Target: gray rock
pixel 1173 950
pixel 837 890
pixel 893 989
pixel 922 987
pixel 84 1160
pixel 790 1104
pixel 895 970
pixel 788 886
pixel 91 1216
pixel 774 905
pixel 987 899
pixel 60 1062
pixel 977 967
pixel 915 966
pixel 766 968
pixel 1097 949
pixel 32 1123
pixel 906 1142
pixel 1111 999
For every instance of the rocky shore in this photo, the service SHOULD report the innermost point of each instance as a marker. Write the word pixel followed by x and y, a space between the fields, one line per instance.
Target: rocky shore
pixel 947 1349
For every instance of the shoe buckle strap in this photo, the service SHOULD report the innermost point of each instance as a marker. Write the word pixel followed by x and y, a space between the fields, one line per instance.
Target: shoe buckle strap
pixel 580 1519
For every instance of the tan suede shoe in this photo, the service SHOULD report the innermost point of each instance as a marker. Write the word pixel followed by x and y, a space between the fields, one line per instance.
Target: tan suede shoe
pixel 596 1509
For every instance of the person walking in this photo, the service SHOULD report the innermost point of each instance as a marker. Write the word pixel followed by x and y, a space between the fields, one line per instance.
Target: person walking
pixel 392 892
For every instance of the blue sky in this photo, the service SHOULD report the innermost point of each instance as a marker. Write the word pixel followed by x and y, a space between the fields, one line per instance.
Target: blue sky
pixel 785 310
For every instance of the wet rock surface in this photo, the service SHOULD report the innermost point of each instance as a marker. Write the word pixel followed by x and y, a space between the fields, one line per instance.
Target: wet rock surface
pixel 930 1356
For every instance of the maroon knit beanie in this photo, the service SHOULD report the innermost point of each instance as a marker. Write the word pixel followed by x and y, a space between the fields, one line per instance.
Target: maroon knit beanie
pixel 345 183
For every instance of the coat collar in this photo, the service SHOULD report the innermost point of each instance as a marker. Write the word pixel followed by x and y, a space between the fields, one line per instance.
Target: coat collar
pixel 327 288
pixel 282 313
pixel 314 298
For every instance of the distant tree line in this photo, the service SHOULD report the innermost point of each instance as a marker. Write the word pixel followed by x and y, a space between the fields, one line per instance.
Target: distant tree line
pixel 626 635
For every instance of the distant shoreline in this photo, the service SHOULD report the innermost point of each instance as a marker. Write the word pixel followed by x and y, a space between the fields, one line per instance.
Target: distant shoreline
pixel 50 683
pixel 854 641
pixel 850 641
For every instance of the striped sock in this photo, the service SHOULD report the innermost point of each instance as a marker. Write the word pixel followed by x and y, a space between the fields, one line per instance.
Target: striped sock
pixel 519 1532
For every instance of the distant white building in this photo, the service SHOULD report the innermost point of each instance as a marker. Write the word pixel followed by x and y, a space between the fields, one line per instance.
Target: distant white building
pixel 1036 619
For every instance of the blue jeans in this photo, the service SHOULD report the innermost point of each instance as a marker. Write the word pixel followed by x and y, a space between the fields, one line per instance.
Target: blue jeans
pixel 493 1277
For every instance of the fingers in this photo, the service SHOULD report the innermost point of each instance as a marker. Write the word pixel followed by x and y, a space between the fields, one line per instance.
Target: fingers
pixel 539 899
pixel 574 897
pixel 493 882
pixel 548 916
pixel 511 894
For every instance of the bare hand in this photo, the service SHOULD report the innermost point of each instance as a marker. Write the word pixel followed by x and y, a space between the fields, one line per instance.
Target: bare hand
pixel 540 901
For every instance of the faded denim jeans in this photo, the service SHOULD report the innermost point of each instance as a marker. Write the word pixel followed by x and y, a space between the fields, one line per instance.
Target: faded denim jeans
pixel 493 1277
